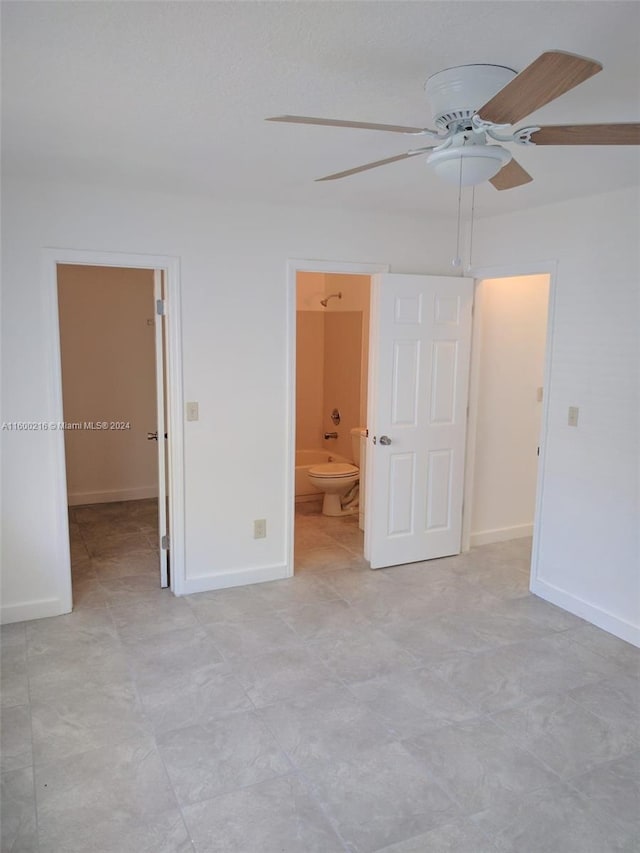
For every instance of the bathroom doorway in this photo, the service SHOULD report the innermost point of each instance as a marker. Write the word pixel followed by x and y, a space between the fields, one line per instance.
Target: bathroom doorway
pixel 332 358
pixel 437 370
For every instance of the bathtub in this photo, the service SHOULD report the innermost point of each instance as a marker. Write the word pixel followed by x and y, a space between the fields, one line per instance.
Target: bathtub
pixel 305 459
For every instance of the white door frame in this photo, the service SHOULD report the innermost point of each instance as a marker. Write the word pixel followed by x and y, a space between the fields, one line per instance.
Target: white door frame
pixel 159 297
pixel 171 268
pixel 549 268
pixel 294 266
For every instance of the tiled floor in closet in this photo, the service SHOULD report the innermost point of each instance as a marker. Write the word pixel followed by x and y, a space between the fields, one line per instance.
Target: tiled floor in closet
pixel 428 707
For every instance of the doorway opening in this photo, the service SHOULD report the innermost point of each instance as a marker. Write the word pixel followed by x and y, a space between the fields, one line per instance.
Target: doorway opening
pixel 507 412
pixel 112 349
pixel 418 378
pixel 332 361
pixel 164 272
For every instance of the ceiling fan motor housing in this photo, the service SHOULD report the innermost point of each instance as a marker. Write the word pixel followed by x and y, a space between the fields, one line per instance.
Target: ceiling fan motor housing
pixel 455 94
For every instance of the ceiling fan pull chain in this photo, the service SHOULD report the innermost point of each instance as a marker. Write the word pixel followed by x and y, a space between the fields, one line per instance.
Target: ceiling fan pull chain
pixel 457 261
pixel 473 211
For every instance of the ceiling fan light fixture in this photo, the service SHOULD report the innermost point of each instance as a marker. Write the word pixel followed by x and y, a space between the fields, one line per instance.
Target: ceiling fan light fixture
pixel 469 166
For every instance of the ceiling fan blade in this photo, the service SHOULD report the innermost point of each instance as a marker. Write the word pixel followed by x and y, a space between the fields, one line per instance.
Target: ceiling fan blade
pixel 510 176
pixel 333 122
pixel 588 134
pixel 369 166
pixel 549 76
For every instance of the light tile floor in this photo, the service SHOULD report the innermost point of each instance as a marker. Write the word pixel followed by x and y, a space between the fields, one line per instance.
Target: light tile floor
pixel 430 707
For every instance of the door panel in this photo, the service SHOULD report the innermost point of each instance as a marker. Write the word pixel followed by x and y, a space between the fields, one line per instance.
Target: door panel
pixel 444 365
pixel 439 469
pixel 421 336
pixel 406 359
pixel 401 493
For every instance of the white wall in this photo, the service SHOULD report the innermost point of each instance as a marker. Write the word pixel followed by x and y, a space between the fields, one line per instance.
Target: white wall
pixel 233 274
pixel 511 321
pixel 234 309
pixel 588 556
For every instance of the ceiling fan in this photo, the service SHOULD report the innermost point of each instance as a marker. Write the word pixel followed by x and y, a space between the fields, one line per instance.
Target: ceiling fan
pixel 461 149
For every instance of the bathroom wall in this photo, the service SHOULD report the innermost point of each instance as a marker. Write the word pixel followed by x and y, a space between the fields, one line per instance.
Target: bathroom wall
pixel 108 374
pixel 310 336
pixel 342 369
pixel 332 349
pixel 512 316
pixel 356 296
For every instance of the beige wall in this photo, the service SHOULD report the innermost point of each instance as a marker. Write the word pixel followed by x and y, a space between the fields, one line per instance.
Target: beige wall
pixel 341 390
pixel 356 296
pixel 513 327
pixel 309 379
pixel 309 359
pixel 332 351
pixel 310 289
pixel 108 374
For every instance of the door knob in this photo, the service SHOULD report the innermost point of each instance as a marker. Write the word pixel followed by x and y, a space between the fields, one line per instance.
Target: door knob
pixel 384 439
pixel 152 436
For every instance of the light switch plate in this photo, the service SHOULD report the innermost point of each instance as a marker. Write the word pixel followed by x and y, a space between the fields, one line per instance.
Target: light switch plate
pixel 572 418
pixel 192 412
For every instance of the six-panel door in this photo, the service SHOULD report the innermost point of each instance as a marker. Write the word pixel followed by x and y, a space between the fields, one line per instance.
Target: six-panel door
pixel 421 344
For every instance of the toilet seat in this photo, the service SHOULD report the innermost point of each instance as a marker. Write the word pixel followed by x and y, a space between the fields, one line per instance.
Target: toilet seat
pixel 335 470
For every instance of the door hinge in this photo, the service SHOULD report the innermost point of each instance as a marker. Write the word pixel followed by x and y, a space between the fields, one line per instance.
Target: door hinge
pixel 165 542
pixel 161 307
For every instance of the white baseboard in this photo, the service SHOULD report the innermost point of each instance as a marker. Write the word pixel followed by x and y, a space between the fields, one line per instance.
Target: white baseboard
pixel 598 617
pixel 138 493
pixel 239 577
pixel 501 534
pixel 28 610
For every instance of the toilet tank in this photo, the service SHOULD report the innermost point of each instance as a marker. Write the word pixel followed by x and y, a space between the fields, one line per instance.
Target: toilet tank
pixel 356 432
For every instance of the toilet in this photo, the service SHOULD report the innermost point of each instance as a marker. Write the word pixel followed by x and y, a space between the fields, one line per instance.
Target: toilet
pixel 337 479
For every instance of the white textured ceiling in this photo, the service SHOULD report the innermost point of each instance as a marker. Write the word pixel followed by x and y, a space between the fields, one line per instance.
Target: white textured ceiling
pixel 173 96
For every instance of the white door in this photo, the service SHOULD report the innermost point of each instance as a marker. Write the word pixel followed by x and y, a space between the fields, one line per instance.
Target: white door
pixel 161 429
pixel 421 345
